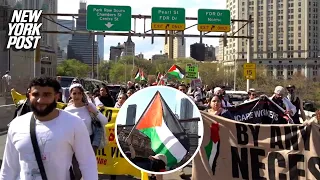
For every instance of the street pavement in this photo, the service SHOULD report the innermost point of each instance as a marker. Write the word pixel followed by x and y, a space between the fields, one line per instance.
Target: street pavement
pixel 173 176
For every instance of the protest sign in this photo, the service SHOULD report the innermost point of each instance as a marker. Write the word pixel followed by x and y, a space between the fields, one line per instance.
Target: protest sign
pixel 255 151
pixel 259 111
pixel 110 159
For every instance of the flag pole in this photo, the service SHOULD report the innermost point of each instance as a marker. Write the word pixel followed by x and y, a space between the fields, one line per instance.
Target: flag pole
pixel 162 78
pixel 142 115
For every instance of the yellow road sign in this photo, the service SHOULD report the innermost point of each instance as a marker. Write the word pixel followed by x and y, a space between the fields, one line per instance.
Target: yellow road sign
pixel 214 28
pixel 249 74
pixel 168 26
pixel 249 71
pixel 249 66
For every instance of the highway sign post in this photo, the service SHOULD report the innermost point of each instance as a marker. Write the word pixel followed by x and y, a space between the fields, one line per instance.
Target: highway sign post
pixel 249 71
pixel 108 18
pixel 214 20
pixel 191 71
pixel 171 19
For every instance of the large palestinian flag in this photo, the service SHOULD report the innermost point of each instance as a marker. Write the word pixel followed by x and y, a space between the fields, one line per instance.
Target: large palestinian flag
pixel 212 149
pixel 176 71
pixel 164 130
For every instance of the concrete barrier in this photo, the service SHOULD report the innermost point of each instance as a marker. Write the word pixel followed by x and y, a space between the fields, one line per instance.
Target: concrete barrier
pixel 6 115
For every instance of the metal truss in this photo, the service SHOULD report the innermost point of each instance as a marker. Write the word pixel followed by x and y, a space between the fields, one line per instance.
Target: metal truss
pixel 150 33
pixel 147 33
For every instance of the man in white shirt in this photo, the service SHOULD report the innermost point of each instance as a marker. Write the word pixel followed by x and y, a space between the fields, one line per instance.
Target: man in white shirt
pixel 6 79
pixel 59 133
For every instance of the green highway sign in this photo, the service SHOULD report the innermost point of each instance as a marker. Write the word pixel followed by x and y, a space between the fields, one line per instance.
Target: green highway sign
pixel 172 19
pixel 108 18
pixel 214 20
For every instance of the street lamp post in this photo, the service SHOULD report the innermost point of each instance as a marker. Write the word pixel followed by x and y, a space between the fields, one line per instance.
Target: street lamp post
pixel 37 67
pixel 235 74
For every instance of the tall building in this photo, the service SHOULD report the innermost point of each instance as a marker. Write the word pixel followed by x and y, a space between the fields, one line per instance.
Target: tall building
pixel 129 47
pixel 140 56
pixel 21 63
pixel 81 45
pixel 179 50
pixel 61 55
pixel 5 55
pixel 285 33
pixel 210 53
pixel 159 56
pixel 63 39
pixel 217 52
pixel 100 39
pixel 116 51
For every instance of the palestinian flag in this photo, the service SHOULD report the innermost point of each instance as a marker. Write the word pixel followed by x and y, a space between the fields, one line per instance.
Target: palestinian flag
pixel 139 75
pixel 142 77
pixel 176 71
pixel 212 149
pixel 160 80
pixel 158 77
pixel 165 132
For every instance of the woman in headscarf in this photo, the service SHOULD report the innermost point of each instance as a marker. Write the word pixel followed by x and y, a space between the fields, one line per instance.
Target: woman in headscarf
pixel 79 106
pixel 216 107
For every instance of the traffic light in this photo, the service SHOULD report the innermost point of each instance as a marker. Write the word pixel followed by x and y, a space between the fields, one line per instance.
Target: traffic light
pixel 193 51
pixel 225 41
pixel 197 51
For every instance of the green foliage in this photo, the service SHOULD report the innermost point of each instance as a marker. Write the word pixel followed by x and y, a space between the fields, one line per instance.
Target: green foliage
pixel 73 67
pixel 103 69
pixel 120 73
pixel 212 74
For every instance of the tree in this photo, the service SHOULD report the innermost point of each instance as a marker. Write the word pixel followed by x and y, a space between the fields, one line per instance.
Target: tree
pixel 211 74
pixel 103 69
pixel 73 67
pixel 119 73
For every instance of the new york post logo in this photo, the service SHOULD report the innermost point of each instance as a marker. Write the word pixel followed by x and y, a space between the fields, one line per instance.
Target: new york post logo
pixel 24 29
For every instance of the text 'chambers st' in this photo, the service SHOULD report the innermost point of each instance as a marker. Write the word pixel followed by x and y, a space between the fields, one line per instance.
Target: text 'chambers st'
pixel 106 14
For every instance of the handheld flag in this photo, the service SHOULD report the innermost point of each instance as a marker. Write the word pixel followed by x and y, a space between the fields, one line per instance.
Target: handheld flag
pixel 164 130
pixel 139 75
pixel 176 71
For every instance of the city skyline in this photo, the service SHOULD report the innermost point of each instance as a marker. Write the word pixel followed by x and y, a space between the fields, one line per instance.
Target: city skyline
pixel 143 7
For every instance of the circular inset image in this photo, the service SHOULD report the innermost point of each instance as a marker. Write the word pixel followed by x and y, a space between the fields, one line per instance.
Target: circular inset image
pixel 159 130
